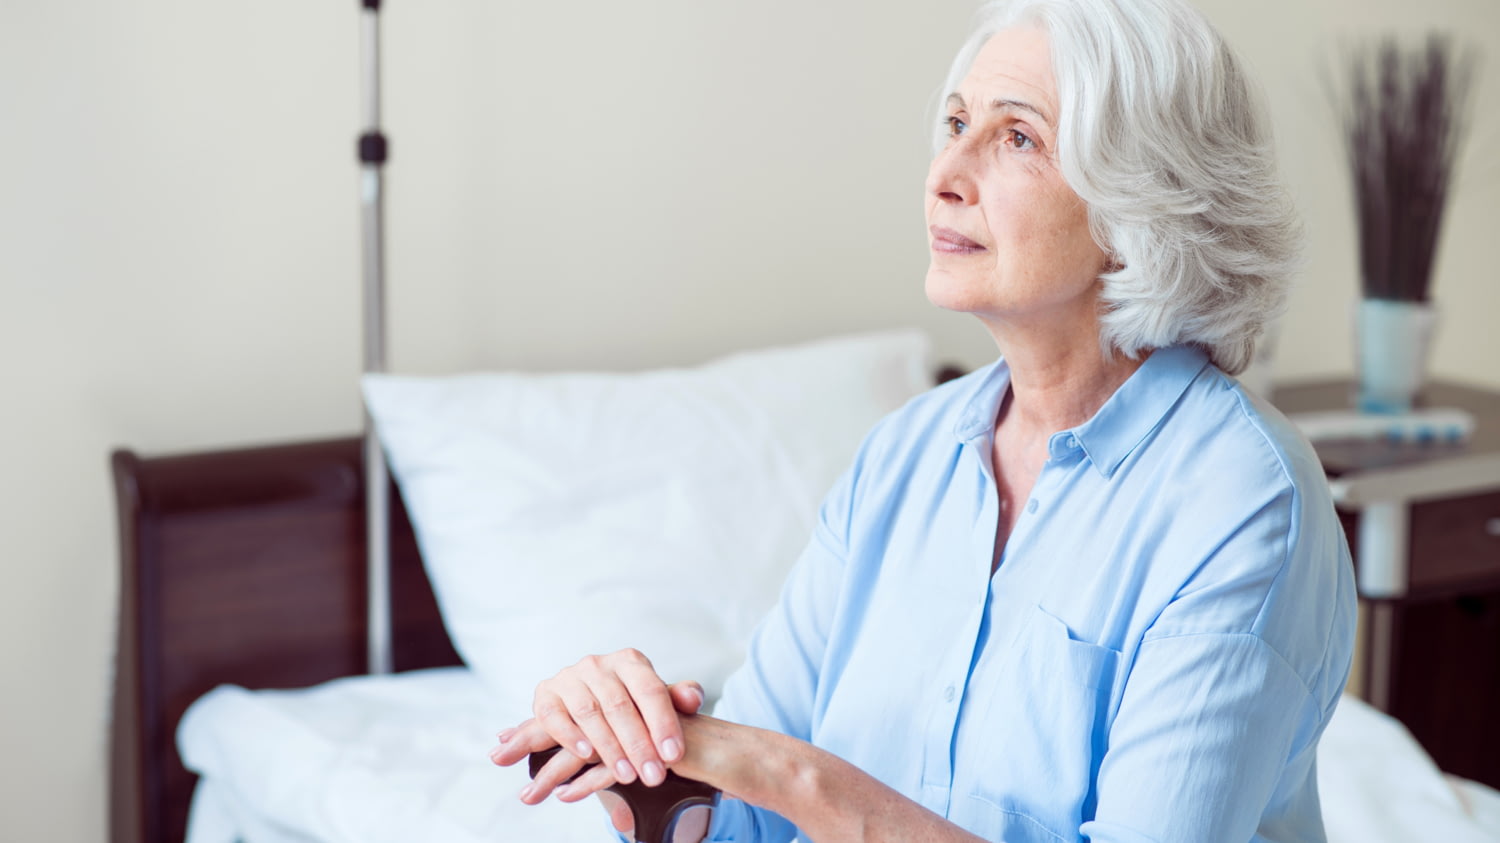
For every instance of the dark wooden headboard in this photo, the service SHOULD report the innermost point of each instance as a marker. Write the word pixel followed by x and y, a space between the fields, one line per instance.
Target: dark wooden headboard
pixel 246 567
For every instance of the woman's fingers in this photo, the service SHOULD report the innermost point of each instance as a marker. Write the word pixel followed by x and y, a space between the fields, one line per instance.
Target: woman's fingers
pixel 557 770
pixel 660 741
pixel 623 710
pixel 586 707
pixel 686 696
pixel 614 708
pixel 571 716
pixel 623 714
pixel 518 742
pixel 593 780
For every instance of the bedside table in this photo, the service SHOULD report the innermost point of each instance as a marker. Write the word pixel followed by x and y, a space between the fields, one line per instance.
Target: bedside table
pixel 1423 522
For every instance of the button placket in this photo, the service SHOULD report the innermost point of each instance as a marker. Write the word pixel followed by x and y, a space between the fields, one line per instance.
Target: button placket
pixel 942 724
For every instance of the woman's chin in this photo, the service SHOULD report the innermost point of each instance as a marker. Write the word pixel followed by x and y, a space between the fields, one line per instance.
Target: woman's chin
pixel 950 293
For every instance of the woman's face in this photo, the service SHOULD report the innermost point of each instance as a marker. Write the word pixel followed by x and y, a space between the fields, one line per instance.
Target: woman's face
pixel 1009 239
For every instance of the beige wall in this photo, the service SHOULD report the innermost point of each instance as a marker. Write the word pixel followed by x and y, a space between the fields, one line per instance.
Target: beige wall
pixel 179 239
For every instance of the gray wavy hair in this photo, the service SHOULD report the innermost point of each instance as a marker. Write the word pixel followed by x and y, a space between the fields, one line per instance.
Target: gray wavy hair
pixel 1163 135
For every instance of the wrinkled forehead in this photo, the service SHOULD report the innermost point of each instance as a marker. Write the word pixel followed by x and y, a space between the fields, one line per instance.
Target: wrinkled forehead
pixel 1013 66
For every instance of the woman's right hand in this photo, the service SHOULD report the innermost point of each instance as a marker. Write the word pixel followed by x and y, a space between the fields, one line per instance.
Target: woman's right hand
pixel 613 709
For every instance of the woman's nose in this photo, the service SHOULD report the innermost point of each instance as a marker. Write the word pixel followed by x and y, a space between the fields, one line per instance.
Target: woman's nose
pixel 950 176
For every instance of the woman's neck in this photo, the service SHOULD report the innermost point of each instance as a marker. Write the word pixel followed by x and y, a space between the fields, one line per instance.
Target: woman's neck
pixel 1058 385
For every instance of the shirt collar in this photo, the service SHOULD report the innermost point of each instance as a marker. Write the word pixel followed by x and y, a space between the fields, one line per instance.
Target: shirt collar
pixel 976 421
pixel 1139 405
pixel 1132 412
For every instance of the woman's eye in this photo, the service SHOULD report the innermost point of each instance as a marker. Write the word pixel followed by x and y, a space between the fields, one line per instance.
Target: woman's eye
pixel 956 126
pixel 1020 141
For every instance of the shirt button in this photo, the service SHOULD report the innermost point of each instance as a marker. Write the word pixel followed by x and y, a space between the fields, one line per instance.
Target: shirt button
pixel 1071 442
pixel 948 694
pixel 1031 505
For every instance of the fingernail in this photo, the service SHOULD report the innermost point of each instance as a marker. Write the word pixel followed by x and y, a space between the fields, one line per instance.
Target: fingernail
pixel 495 755
pixel 671 750
pixel 505 735
pixel 624 772
pixel 583 750
pixel 652 774
pixel 527 791
pixel 561 791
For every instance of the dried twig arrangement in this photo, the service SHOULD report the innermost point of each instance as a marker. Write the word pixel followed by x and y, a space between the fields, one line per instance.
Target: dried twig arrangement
pixel 1404 117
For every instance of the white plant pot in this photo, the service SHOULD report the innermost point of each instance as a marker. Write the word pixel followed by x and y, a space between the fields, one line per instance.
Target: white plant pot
pixel 1392 339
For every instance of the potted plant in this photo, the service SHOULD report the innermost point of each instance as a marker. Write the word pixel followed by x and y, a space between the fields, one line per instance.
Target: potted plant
pixel 1403 120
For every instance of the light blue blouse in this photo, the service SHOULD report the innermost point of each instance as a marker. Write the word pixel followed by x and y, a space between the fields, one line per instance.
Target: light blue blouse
pixel 1163 642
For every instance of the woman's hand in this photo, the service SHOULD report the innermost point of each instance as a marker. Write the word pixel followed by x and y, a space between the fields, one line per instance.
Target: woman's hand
pixel 612 709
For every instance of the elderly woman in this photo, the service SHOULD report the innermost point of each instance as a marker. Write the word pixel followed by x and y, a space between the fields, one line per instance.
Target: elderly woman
pixel 1093 591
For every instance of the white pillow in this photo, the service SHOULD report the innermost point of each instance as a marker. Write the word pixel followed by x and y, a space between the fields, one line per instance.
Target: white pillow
pixel 568 514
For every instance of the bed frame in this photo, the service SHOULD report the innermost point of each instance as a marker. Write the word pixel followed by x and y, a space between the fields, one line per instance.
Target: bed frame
pixel 245 567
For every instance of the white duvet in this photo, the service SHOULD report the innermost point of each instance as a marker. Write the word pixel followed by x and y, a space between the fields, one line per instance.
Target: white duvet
pixel 403 758
pixel 364 759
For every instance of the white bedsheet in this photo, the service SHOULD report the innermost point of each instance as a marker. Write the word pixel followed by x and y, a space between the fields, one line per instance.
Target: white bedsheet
pixel 402 758
pixel 363 760
pixel 1378 785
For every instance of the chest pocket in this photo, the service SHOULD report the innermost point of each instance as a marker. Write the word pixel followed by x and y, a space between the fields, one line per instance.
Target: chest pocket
pixel 1037 749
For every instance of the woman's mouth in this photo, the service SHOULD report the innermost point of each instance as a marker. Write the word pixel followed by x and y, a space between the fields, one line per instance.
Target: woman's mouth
pixel 951 242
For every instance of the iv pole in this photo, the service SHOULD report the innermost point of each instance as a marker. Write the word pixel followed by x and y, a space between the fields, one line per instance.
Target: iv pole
pixel 373 152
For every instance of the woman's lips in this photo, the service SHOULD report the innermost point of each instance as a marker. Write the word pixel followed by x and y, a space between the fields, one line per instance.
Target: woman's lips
pixel 950 241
